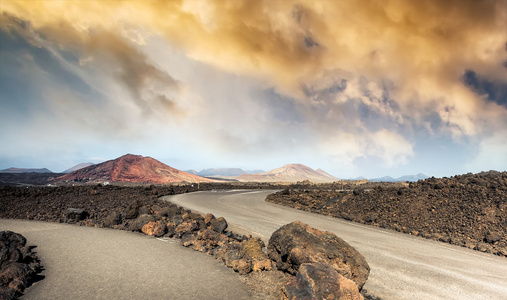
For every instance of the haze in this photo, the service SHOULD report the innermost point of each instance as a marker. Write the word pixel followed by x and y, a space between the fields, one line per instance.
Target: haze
pixel 367 88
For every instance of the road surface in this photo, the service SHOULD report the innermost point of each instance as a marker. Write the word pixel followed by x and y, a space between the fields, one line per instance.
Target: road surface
pixel 99 263
pixel 402 266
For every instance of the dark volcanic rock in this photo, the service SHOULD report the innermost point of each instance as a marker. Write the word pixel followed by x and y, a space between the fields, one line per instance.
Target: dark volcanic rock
pixel 142 220
pixel 18 265
pixel 133 210
pixel 170 212
pixel 493 237
pixel 113 219
pixel 219 225
pixel 317 281
pixel 187 227
pixel 297 243
pixel 464 210
pixel 75 214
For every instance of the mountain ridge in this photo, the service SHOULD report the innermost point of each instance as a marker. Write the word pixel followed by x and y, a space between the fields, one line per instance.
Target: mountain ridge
pixel 289 173
pixel 78 166
pixel 131 168
pixel 26 170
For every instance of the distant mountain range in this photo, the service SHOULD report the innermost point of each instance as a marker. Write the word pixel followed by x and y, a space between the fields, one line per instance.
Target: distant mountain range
pixel 228 172
pixel 25 170
pixel 289 173
pixel 136 168
pixel 131 168
pixel 400 179
pixel 78 166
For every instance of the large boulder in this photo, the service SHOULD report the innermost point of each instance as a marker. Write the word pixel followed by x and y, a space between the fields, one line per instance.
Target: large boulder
pixel 297 243
pixel 318 281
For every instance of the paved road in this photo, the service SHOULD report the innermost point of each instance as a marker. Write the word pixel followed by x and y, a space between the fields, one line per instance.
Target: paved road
pixel 96 263
pixel 402 266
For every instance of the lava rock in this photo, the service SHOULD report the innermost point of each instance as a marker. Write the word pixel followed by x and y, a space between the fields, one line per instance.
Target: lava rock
pixel 297 243
pixel 156 229
pixel 493 237
pixel 112 219
pixel 219 225
pixel 242 266
pixel 169 212
pixel 75 214
pixel 186 227
pixel 208 218
pixel 133 210
pixel 252 249
pixel 18 265
pixel 137 224
pixel 318 281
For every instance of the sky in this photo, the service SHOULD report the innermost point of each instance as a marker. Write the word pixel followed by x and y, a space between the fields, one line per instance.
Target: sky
pixel 357 88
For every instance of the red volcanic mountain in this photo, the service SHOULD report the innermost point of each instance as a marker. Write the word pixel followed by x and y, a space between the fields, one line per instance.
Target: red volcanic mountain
pixel 131 168
pixel 289 173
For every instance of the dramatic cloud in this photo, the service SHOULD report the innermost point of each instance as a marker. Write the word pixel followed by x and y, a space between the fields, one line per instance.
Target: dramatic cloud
pixel 340 80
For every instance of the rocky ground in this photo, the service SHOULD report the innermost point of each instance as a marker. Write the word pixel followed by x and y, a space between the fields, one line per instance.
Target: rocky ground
pixel 138 209
pixel 467 210
pixel 19 266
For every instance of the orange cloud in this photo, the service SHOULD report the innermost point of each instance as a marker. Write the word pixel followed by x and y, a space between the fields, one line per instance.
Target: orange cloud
pixel 416 50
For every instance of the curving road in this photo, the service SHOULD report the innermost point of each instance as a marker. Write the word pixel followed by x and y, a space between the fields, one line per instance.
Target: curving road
pixel 98 263
pixel 402 266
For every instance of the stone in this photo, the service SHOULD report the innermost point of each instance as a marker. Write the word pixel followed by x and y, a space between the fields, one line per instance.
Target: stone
pixel 156 229
pixel 318 281
pixel 208 218
pixel 187 226
pixel 113 219
pixel 204 241
pixel 75 214
pixel 242 266
pixel 18 265
pixel 493 237
pixel 171 229
pixel 133 210
pixel 262 265
pixel 188 239
pixel 137 224
pixel 169 212
pixel 252 249
pixel 232 252
pixel 297 243
pixel 144 210
pixel 219 225
pixel 483 247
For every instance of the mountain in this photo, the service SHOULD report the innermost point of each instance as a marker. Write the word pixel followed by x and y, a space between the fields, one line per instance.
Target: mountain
pixel 25 170
pixel 384 179
pixel 254 171
pixel 412 177
pixel 221 172
pixel 131 168
pixel 289 173
pixel 192 172
pixel 357 178
pixel 400 179
pixel 325 174
pixel 78 166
